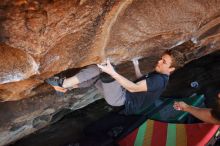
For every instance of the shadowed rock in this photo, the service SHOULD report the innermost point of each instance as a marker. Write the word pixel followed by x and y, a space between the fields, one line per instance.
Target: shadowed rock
pixel 41 38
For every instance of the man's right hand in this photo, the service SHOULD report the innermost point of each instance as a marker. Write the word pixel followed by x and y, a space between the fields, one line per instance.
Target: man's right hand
pixel 180 106
pixel 135 61
pixel 136 67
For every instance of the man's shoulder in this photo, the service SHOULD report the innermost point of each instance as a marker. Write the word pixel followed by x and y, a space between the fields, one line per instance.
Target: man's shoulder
pixel 156 81
pixel 162 76
pixel 157 76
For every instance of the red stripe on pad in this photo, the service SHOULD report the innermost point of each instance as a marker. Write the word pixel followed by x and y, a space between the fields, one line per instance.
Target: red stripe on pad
pixel 159 136
pixel 129 139
pixel 200 134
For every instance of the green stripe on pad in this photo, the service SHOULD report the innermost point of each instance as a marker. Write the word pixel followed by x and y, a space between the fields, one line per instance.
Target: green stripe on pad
pixel 171 135
pixel 140 135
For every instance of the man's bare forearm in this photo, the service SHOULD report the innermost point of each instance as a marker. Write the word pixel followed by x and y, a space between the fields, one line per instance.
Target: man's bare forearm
pixel 128 85
pixel 137 71
pixel 136 68
pixel 203 114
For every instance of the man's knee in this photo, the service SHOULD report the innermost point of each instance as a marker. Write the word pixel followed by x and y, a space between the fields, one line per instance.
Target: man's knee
pixel 115 101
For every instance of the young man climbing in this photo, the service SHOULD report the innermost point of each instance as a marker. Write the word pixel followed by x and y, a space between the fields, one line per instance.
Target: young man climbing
pixel 211 114
pixel 119 91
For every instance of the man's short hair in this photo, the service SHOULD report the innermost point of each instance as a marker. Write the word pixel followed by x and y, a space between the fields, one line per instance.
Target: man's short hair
pixel 178 58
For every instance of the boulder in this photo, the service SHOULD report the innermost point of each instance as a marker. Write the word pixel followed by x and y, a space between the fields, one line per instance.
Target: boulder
pixel 41 38
pixel 52 36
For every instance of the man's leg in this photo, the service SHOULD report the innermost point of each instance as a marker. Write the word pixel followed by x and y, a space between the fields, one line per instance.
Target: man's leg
pixel 113 92
pixel 84 75
pixel 76 81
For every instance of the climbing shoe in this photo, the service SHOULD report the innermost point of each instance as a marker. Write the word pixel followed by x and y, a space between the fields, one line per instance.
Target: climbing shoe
pixel 56 81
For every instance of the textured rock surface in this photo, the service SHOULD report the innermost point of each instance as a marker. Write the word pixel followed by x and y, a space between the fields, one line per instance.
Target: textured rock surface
pixel 51 36
pixel 29 115
pixel 67 130
pixel 40 38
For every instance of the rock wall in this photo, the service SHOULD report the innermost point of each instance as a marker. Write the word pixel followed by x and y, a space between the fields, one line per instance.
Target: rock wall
pixel 23 117
pixel 43 37
pixel 40 38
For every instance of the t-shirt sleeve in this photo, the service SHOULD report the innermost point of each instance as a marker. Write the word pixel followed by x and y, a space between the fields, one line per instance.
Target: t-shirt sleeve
pixel 154 82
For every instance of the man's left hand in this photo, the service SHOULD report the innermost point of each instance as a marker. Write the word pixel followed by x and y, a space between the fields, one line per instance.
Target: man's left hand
pixel 107 68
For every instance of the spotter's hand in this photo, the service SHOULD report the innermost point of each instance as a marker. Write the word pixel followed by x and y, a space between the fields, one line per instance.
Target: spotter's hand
pixel 180 106
pixel 107 68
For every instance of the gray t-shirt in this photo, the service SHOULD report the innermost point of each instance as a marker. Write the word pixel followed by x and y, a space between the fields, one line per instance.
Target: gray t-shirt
pixel 138 101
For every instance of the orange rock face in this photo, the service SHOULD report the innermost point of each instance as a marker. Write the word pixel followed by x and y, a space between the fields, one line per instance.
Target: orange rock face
pixel 40 38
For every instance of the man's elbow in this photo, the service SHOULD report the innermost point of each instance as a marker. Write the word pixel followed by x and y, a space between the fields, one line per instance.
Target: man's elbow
pixel 133 90
pixel 139 76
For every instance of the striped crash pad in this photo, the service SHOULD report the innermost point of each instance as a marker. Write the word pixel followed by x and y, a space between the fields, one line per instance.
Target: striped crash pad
pixel 155 133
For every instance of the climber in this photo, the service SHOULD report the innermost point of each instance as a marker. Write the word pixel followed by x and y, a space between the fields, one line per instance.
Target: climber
pixel 119 91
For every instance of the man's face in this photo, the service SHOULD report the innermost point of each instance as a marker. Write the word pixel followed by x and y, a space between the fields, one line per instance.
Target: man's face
pixel 164 65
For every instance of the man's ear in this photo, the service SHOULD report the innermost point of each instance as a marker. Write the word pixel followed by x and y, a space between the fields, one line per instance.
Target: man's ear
pixel 219 95
pixel 172 69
